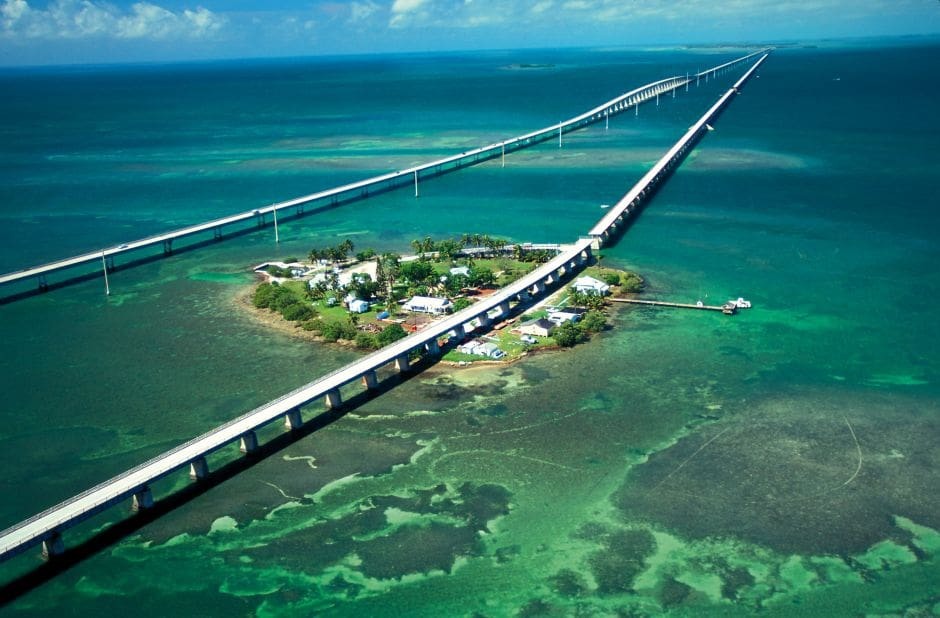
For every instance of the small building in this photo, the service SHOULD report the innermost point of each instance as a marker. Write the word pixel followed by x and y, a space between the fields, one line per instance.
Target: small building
pixel 489 350
pixel 560 317
pixel 479 348
pixel 538 328
pixel 358 306
pixel 469 347
pixel 460 270
pixel 591 286
pixel 320 278
pixel 429 304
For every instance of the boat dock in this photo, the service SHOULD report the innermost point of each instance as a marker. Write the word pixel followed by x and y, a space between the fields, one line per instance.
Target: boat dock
pixel 729 308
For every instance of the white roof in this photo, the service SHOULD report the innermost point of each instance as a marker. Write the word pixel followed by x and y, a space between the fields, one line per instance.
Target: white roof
pixel 428 301
pixel 590 282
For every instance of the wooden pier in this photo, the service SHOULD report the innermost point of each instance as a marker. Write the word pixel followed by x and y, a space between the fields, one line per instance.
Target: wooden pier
pixel 727 308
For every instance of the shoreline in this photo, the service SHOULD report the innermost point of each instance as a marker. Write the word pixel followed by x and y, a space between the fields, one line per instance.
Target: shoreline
pixel 242 301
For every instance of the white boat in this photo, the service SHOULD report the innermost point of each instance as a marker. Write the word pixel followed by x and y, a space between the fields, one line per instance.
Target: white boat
pixel 740 303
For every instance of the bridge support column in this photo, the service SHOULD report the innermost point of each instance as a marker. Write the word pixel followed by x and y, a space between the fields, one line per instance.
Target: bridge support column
pixel 433 347
pixel 168 246
pixel 485 320
pixel 248 443
pixel 333 399
pixel 402 363
pixel 370 380
pixel 53 546
pixel 198 469
pixel 217 233
pixel 142 500
pixel 539 287
pixel 504 308
pixel 293 420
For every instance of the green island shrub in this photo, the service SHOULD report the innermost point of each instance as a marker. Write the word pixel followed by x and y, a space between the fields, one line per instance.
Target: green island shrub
pixel 568 335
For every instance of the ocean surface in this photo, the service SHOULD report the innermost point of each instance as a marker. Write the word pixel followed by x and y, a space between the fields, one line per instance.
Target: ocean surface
pixel 782 462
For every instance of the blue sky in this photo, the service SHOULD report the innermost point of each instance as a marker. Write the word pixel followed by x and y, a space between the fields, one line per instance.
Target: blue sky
pixel 94 31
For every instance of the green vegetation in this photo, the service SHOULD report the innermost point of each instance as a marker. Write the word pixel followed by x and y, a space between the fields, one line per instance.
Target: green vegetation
pixel 591 301
pixel 568 335
pixel 333 254
pixel 626 282
pixel 277 271
pixel 488 261
pixel 593 322
pixel 285 300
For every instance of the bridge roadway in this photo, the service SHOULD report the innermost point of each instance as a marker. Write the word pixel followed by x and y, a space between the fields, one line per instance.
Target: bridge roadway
pixel 629 202
pixel 361 189
pixel 46 527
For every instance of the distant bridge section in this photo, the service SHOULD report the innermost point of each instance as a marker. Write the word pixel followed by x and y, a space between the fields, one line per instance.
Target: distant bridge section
pixel 635 197
pixel 377 184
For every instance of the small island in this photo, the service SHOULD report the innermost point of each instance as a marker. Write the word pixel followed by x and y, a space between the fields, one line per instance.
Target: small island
pixel 369 300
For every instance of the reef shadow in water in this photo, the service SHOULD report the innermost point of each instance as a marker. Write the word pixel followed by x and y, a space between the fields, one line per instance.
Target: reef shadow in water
pixel 799 476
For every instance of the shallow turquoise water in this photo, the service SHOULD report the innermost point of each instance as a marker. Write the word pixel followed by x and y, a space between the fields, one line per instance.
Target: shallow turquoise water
pixel 682 462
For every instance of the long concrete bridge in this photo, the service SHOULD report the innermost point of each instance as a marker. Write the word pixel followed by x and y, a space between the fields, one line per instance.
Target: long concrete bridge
pixel 377 184
pixel 619 212
pixel 47 527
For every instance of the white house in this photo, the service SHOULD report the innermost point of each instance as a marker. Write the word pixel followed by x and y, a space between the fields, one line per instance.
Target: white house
pixel 539 328
pixel 358 306
pixel 470 347
pixel 479 348
pixel 490 351
pixel 460 270
pixel 560 317
pixel 591 286
pixel 429 304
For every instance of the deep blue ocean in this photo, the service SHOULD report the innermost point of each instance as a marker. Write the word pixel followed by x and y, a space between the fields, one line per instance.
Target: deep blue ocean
pixel 782 461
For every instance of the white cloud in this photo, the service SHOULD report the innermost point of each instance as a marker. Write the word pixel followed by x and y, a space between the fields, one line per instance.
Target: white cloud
pixel 75 19
pixel 361 11
pixel 404 11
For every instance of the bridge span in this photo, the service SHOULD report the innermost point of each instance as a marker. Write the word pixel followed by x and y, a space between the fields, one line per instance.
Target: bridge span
pixel 619 212
pixel 377 184
pixel 46 528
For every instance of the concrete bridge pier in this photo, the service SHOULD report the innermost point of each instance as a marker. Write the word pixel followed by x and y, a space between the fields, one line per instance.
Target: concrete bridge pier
pixel 168 246
pixel 485 320
pixel 198 470
pixel 53 546
pixel 370 380
pixel 402 363
pixel 433 347
pixel 143 499
pixel 504 309
pixel 333 399
pixel 248 443
pixel 293 420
